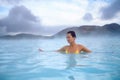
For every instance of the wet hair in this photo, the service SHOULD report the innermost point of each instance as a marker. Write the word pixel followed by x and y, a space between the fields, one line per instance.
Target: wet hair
pixel 72 33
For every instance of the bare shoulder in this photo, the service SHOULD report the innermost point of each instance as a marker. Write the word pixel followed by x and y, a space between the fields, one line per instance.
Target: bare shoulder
pixel 83 48
pixel 65 46
pixel 80 45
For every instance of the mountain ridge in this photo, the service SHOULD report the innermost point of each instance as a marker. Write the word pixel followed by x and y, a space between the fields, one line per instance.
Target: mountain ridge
pixel 112 29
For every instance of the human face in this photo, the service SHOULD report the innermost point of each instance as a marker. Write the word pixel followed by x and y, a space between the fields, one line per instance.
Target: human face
pixel 69 38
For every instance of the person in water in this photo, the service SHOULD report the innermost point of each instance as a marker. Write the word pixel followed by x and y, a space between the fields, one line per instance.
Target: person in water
pixel 73 47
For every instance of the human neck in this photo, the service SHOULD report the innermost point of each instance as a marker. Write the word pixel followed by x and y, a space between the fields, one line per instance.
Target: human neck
pixel 72 44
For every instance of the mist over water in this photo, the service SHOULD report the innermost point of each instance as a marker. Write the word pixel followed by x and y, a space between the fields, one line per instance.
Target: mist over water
pixel 21 60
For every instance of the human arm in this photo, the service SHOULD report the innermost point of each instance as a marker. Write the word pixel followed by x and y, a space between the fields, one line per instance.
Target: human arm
pixel 61 49
pixel 84 49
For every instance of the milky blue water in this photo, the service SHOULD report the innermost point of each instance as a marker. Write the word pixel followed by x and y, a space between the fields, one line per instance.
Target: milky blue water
pixel 21 60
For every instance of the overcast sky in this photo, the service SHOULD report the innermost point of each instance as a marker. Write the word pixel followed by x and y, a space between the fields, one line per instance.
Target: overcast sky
pixel 47 17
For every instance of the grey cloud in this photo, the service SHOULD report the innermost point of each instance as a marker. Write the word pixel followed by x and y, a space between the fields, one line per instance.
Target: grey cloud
pixel 88 17
pixel 10 1
pixel 21 12
pixel 20 19
pixel 2 30
pixel 110 11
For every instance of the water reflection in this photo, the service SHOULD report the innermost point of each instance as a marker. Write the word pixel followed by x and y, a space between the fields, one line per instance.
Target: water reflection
pixel 71 77
pixel 71 63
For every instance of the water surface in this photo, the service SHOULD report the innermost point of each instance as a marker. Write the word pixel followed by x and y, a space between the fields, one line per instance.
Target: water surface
pixel 21 60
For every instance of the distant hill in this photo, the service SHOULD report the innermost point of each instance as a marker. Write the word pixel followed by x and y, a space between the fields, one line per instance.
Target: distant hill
pixel 85 30
pixel 23 36
pixel 93 30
